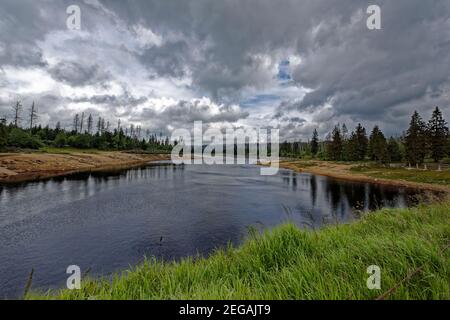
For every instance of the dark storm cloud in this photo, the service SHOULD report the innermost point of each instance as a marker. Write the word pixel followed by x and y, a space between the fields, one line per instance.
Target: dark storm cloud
pixel 230 47
pixel 357 70
pixel 112 100
pixel 367 73
pixel 189 111
pixel 22 23
pixel 167 60
pixel 79 74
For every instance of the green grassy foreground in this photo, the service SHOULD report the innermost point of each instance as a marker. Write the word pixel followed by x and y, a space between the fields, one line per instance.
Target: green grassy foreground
pixel 288 263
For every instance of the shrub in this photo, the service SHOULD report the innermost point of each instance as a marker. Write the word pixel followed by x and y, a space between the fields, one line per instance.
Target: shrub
pixel 21 139
pixel 3 136
pixel 60 140
pixel 80 141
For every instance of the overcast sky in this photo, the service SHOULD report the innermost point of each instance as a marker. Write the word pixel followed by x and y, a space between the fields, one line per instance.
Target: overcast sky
pixel 292 64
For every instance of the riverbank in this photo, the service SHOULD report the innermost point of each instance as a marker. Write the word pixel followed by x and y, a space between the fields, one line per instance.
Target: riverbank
pixel 20 167
pixel 362 172
pixel 409 245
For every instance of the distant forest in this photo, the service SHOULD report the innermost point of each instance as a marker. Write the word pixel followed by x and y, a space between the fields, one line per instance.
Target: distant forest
pixel 85 133
pixel 422 140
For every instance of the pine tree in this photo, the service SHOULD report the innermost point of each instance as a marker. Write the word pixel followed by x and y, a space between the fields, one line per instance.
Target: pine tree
pixel 357 144
pixel 315 143
pixel 361 142
pixel 335 146
pixel 378 146
pixel 393 149
pixel 437 135
pixel 352 145
pixel 415 140
pixel 345 143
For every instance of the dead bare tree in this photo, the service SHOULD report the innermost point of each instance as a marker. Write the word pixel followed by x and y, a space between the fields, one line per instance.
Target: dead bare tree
pixel 90 123
pixel 81 122
pixel 17 108
pixel 76 122
pixel 33 115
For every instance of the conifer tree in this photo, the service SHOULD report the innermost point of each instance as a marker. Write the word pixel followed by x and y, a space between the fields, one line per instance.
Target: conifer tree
pixel 335 147
pixel 378 146
pixel 393 149
pixel 315 143
pixel 437 135
pixel 416 140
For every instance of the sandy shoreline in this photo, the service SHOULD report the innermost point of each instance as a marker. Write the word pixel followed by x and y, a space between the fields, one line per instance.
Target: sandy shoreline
pixel 21 167
pixel 342 171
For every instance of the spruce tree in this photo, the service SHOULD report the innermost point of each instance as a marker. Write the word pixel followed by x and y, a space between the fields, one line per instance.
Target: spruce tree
pixel 351 148
pixel 415 140
pixel 393 149
pixel 437 135
pixel 361 142
pixel 357 144
pixel 315 143
pixel 378 146
pixel 335 146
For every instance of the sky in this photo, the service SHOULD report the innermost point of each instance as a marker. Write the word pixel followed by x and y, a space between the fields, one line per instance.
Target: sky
pixel 295 65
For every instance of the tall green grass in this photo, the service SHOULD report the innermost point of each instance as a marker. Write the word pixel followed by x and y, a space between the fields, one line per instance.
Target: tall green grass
pixel 289 263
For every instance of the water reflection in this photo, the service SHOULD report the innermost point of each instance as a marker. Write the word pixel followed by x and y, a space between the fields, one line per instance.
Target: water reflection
pixel 107 221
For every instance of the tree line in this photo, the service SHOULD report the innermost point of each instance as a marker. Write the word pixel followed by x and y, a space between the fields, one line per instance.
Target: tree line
pixel 86 132
pixel 421 140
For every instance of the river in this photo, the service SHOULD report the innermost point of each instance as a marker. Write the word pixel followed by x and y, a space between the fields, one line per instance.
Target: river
pixel 106 222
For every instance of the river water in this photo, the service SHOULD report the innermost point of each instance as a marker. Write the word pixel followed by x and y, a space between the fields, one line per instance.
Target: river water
pixel 106 222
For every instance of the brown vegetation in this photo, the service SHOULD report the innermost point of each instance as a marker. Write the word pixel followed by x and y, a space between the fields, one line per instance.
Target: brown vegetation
pixel 349 171
pixel 18 167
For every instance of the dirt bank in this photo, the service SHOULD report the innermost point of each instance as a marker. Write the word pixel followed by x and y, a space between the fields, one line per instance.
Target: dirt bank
pixel 343 171
pixel 19 167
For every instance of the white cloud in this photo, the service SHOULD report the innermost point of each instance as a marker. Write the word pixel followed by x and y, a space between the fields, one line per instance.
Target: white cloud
pixel 146 37
pixel 163 63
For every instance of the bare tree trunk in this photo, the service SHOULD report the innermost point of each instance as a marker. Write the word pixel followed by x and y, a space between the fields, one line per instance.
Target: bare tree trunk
pixel 17 108
pixel 33 115
pixel 81 123
pixel 76 121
